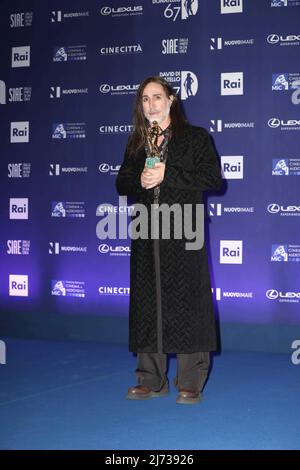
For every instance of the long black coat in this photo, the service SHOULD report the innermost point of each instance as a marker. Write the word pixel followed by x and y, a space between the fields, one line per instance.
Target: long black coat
pixel 188 322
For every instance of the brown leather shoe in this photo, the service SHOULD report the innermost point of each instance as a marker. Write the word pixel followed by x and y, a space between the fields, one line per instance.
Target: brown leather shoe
pixel 188 397
pixel 139 392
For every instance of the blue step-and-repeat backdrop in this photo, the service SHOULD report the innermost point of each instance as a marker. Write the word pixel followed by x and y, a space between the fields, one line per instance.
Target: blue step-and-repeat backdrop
pixel 69 71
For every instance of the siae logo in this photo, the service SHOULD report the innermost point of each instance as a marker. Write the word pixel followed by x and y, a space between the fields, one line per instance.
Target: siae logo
pixel 174 46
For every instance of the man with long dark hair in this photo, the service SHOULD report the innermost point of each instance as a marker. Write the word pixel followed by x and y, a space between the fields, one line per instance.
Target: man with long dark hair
pixel 171 307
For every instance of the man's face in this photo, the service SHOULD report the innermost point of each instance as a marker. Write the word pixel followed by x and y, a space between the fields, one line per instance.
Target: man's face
pixel 156 104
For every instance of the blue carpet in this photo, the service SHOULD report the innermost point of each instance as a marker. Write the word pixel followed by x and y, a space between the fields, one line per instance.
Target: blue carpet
pixel 56 395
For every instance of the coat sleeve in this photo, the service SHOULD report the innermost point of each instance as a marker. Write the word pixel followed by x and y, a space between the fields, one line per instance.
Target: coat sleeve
pixel 206 175
pixel 128 181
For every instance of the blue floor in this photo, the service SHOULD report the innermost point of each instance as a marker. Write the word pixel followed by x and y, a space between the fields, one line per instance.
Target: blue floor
pixel 56 395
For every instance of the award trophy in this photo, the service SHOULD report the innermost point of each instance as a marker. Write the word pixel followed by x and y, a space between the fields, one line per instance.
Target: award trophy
pixel 154 133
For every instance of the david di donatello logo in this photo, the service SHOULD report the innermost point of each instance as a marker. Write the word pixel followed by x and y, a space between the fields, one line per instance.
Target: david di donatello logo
pixel 178 10
pixel 184 82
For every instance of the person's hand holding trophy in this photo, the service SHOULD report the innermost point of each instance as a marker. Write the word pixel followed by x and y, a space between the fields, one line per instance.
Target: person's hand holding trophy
pixel 154 170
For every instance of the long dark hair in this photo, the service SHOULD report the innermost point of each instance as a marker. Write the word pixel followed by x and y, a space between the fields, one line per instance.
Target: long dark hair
pixel 139 135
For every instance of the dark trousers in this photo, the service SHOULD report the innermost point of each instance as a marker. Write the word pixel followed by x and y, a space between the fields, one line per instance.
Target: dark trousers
pixel 192 371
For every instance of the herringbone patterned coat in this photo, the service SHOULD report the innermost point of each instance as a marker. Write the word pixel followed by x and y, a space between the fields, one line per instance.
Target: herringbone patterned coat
pixel 188 321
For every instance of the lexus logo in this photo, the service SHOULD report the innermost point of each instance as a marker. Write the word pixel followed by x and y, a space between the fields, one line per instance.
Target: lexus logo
pixel 105 88
pixel 274 122
pixel 103 248
pixel 273 38
pixel 272 294
pixel 104 167
pixel 105 11
pixel 273 208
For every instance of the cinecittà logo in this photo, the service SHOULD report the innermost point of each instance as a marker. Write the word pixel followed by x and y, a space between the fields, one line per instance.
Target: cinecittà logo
pixel 123 49
pixel 113 290
pixel 115 128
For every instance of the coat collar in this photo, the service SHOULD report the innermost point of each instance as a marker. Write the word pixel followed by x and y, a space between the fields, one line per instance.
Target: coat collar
pixel 176 146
